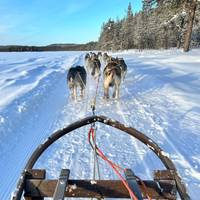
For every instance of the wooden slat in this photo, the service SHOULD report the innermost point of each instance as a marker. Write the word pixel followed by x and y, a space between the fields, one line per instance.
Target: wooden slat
pixel 98 189
pixel 36 174
pixel 164 175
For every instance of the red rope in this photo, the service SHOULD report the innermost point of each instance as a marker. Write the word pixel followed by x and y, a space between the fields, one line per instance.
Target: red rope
pixel 100 153
pixel 115 167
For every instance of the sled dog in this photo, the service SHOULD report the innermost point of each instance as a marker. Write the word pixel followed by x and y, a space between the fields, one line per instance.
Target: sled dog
pixel 76 78
pixel 112 78
pixel 93 55
pixel 121 63
pixel 123 67
pixel 93 66
pixel 87 58
pixel 105 58
pixel 100 56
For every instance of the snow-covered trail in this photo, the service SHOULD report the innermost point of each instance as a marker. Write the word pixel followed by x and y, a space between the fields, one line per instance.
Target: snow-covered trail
pixel 29 109
pixel 134 109
pixel 154 99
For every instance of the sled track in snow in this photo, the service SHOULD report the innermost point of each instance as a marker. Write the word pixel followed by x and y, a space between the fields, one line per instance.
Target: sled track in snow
pixel 136 109
pixel 156 129
pixel 48 96
pixel 75 111
pixel 80 147
pixel 133 111
pixel 72 147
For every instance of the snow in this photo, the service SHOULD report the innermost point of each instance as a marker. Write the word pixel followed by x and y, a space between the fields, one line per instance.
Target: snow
pixel 159 97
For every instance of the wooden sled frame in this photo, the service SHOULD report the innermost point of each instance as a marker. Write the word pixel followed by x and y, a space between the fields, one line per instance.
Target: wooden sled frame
pixel 34 186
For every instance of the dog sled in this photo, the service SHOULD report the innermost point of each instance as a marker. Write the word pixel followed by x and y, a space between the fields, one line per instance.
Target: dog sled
pixel 165 184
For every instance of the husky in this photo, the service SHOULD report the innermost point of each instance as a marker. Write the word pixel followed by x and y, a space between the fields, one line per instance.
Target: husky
pixel 123 66
pixel 87 58
pixel 76 77
pixel 93 67
pixel 121 63
pixel 100 56
pixel 93 55
pixel 105 58
pixel 87 55
pixel 112 78
pixel 111 59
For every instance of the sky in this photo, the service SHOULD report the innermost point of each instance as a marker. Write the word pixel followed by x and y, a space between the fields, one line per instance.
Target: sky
pixel 43 22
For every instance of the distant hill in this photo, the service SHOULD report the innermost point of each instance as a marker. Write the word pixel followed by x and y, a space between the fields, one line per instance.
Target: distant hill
pixel 52 47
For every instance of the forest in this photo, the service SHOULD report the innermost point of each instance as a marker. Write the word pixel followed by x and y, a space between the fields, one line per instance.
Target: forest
pixel 160 24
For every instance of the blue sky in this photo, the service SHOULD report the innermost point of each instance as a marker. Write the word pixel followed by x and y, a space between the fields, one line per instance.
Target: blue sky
pixel 42 22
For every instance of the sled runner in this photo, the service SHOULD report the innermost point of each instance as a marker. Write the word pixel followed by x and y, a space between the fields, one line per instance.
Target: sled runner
pixel 166 184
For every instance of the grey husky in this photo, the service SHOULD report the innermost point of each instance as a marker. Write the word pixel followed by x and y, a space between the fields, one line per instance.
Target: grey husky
pixel 76 77
pixel 93 66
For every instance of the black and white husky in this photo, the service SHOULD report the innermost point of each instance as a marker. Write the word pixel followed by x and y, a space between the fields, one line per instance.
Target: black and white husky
pixel 76 78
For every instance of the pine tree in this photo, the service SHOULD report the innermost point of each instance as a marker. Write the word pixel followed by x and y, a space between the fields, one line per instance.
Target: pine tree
pixel 129 12
pixel 161 24
pixel 126 29
pixel 191 6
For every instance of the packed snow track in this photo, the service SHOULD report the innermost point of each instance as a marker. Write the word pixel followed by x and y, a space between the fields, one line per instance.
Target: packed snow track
pixel 160 97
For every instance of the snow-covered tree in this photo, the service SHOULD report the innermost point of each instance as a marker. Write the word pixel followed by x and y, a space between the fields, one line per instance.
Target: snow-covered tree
pixel 191 6
pixel 161 24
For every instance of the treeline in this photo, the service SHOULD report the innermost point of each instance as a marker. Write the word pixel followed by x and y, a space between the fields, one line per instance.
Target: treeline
pixel 160 24
pixel 54 47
